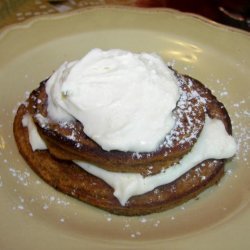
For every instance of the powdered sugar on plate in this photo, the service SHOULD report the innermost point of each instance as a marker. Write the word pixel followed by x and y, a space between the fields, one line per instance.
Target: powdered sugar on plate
pixel 23 185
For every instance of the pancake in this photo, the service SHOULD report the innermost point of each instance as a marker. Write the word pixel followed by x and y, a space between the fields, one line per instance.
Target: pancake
pixel 68 141
pixel 70 179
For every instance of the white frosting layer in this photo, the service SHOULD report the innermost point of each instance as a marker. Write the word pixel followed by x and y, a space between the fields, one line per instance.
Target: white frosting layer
pixel 213 143
pixel 124 100
pixel 35 139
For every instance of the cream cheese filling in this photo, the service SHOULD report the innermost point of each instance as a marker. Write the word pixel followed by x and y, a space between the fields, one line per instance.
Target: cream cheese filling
pixel 35 139
pixel 213 143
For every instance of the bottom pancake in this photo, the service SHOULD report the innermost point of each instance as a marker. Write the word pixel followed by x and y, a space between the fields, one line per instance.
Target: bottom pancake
pixel 70 179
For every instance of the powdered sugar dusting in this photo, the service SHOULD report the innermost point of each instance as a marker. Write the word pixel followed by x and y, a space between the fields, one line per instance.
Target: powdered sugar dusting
pixel 188 106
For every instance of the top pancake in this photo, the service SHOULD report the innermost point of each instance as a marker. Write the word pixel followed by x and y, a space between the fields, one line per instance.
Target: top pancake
pixel 68 141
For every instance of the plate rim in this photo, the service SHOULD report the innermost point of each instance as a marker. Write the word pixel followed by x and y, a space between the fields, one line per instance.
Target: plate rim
pixel 31 20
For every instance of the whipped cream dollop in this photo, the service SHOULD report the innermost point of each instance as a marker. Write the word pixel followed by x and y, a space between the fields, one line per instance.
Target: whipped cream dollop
pixel 124 100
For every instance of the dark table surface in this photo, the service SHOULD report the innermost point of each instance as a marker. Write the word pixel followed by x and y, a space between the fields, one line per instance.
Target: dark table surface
pixel 228 12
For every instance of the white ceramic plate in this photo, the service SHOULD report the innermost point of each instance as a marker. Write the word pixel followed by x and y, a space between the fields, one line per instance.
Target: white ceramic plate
pixel 35 216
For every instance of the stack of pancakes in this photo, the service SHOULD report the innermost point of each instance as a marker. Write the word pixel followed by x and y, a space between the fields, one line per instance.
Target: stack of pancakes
pixel 66 141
